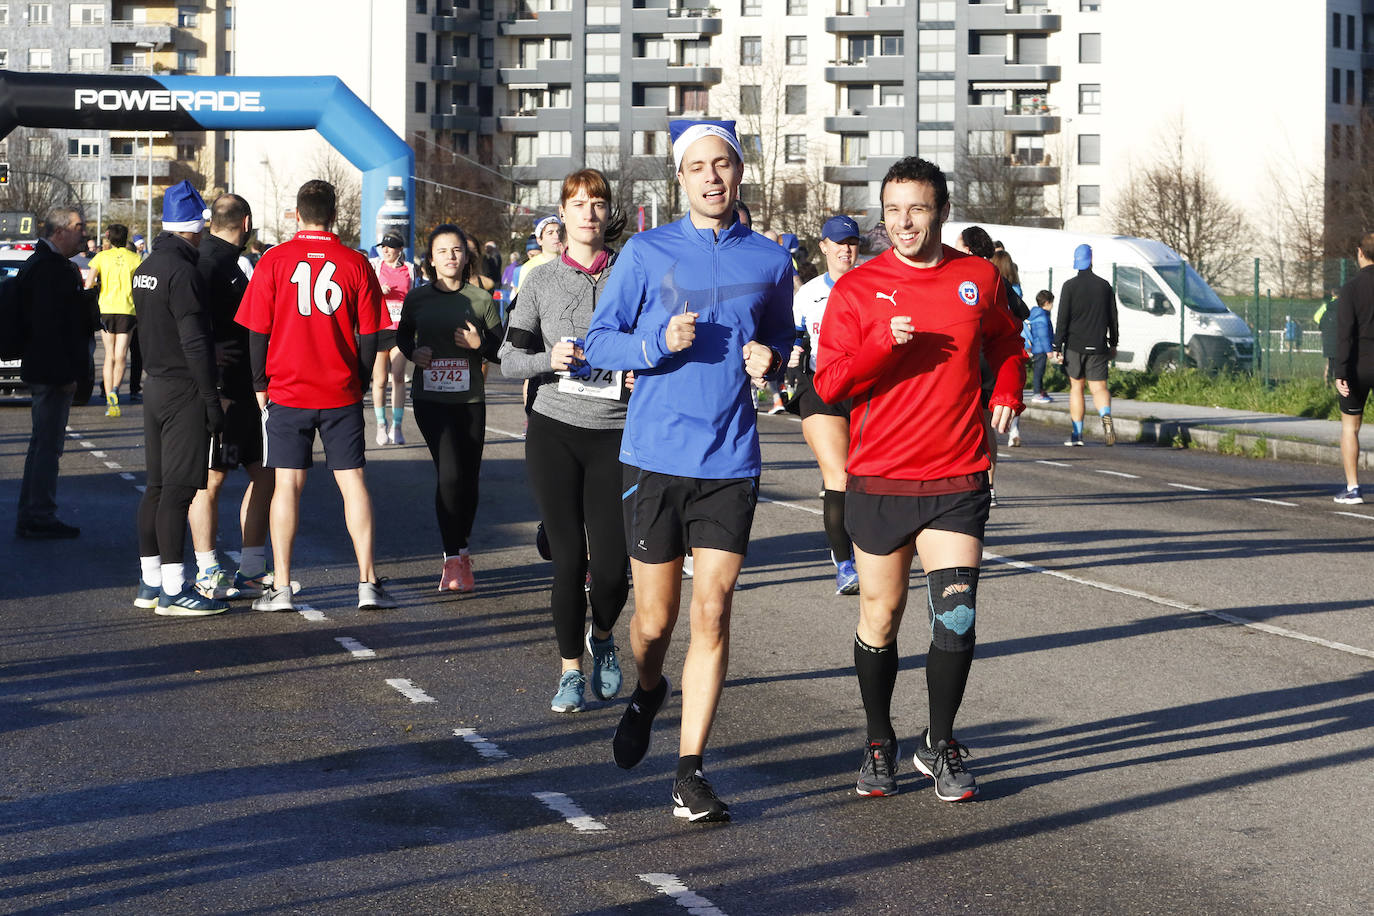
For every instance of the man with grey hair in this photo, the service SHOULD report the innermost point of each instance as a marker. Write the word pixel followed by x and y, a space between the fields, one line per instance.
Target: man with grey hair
pixel 57 320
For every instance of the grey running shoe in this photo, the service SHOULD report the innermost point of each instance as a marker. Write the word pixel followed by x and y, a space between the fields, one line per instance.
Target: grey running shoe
pixel 944 763
pixel 1108 431
pixel 606 676
pixel 694 799
pixel 569 698
pixel 372 597
pixel 878 775
pixel 636 724
pixel 274 599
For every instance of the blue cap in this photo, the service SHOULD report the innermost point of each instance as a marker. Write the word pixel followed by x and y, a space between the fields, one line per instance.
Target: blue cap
pixel 532 244
pixel 183 209
pixel 839 228
pixel 1082 257
pixel 789 241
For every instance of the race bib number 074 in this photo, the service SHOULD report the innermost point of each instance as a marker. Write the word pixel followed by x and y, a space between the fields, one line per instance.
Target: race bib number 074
pixel 594 383
pixel 448 375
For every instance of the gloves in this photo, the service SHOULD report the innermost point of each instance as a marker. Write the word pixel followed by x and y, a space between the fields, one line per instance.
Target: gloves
pixel 214 417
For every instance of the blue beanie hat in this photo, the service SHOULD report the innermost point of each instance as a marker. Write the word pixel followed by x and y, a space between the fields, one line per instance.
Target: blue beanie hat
pixel 183 209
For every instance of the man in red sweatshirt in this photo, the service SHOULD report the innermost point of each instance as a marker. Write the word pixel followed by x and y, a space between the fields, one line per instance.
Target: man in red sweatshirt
pixel 901 337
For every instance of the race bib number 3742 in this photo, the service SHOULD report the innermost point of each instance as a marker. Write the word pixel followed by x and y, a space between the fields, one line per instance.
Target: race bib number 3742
pixel 448 375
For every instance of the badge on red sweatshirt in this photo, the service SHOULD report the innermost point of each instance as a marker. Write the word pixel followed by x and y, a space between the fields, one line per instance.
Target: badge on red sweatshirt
pixel 968 292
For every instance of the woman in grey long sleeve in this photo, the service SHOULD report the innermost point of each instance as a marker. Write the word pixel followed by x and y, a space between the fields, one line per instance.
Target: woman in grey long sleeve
pixel 572 448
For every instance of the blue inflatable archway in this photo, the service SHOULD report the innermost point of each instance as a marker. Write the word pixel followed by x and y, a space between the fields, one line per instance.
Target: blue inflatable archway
pixel 324 103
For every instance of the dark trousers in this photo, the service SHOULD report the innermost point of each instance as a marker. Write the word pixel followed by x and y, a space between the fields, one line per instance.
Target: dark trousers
pixel 1038 373
pixel 38 492
pixel 455 434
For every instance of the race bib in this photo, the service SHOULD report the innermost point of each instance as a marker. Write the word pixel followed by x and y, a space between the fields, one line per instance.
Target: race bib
pixel 448 375
pixel 393 308
pixel 594 383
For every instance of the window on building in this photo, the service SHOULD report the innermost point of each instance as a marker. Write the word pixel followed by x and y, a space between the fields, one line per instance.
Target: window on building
pixel 1028 149
pixel 650 96
pixel 891 96
pixel 1335 141
pixel 40 58
pixel 935 10
pixel 40 147
pixel 188 17
pixel 422 7
pixel 794 147
pixel 987 143
pixel 1090 48
pixel 531 52
pixel 85 60
pixel 1335 85
pixel 83 147
pixel 935 100
pixel 935 50
pixel 858 98
pixel 229 61
pixel 603 12
pixel 751 8
pixel 750 100
pixel 522 149
pixel 652 47
pixel 561 48
pixel 937 146
pixel 1350 33
pixel 694 99
pixel 795 100
pixel 4 59
pixel 1089 6
pixel 1350 87
pixel 853 149
pixel 796 7
pixel 751 51
pixel 560 97
pixel 1089 200
pixel 1089 149
pixel 1089 98
pixel 752 144
pixel 649 143
pixel 861 47
pixel 796 50
pixel 695 53
pixel 602 149
pixel 40 13
pixel 1335 30
pixel 885 143
pixel 186 151
pixel 4 14
pixel 794 196
pixel 603 103
pixel 891 45
pixel 555 143
pixel 603 52
pixel 421 47
pixel 421 97
pixel 83 14
pixel 188 60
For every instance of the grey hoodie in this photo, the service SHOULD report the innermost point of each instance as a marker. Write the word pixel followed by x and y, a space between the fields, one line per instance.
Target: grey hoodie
pixel 556 301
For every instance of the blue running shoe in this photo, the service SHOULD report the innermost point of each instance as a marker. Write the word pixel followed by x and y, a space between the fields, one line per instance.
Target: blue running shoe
pixel 147 595
pixel 846 578
pixel 190 603
pixel 606 676
pixel 215 583
pixel 571 687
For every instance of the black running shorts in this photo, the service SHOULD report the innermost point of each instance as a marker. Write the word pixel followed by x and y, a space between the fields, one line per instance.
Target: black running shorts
pixel 666 516
pixel 811 403
pixel 177 437
pixel 1092 366
pixel 289 436
pixel 118 324
pixel 241 444
pixel 385 341
pixel 881 525
pixel 1353 403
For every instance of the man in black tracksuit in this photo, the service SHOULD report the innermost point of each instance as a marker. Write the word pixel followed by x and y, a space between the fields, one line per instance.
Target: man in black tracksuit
pixel 1354 363
pixel 1085 340
pixel 181 407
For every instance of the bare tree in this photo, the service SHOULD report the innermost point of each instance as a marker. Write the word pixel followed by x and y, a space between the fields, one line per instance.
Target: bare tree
pixel 39 175
pixel 456 189
pixel 1294 240
pixel 994 192
pixel 1173 199
pixel 328 165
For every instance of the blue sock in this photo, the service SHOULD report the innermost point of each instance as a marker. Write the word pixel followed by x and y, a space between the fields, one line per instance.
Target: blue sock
pixel 1077 429
pixel 380 414
pixel 1104 411
pixel 397 414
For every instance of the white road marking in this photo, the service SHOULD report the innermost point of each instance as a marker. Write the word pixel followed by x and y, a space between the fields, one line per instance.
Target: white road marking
pixel 787 505
pixel 126 475
pixel 355 648
pixel 1272 502
pixel 84 444
pixel 409 690
pixel 1184 606
pixel 481 745
pixel 1368 518
pixel 112 465
pixel 96 454
pixel 1188 486
pixel 314 616
pixel 141 488
pixel 1117 474
pixel 673 887
pixel 562 804
pixel 1058 464
pixel 506 432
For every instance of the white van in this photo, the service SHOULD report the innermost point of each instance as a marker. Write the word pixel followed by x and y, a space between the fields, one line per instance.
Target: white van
pixel 1152 284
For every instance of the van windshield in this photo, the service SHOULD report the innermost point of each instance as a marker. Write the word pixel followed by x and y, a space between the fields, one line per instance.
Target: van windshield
pixel 1190 287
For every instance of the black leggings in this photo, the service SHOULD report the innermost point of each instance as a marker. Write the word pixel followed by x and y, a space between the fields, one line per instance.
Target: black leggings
pixel 575 474
pixel 455 434
pixel 162 521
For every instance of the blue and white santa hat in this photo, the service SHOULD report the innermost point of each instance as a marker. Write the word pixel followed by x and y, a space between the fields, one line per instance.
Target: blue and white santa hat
pixel 183 209
pixel 685 133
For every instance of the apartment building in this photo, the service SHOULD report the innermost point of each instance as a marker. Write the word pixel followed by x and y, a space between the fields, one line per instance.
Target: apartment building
pixel 109 171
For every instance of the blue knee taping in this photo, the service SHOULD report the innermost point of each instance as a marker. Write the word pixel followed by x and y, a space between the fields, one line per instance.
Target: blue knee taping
pixel 952 597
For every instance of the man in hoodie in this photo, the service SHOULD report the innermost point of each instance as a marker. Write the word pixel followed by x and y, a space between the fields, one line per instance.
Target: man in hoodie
pixel 697 308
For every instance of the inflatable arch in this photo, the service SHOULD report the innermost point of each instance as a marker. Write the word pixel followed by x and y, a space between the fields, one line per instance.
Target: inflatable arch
pixel 324 103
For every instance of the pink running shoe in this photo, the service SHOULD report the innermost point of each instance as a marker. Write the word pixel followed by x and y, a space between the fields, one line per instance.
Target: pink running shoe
pixel 466 582
pixel 451 578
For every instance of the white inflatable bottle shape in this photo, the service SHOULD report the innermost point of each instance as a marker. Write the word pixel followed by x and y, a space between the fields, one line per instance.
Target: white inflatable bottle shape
pixel 393 216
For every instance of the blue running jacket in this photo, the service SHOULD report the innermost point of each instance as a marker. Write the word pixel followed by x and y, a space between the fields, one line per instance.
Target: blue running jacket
pixel 692 413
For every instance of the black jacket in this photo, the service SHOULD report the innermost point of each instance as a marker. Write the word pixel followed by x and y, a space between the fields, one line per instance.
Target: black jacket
pixel 60 317
pixel 1086 319
pixel 225 285
pixel 1355 328
pixel 172 304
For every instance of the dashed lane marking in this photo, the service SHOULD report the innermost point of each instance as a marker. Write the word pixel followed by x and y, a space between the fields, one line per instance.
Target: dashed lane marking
pixel 1117 474
pixel 113 465
pixel 84 444
pixel 562 804
pixel 356 649
pixel 1183 606
pixel 314 616
pixel 1057 464
pixel 506 432
pixel 672 886
pixel 96 454
pixel 409 690
pixel 1368 518
pixel 1272 502
pixel 1188 486
pixel 484 747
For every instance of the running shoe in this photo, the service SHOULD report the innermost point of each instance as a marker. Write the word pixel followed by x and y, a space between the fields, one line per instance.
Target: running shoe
pixel 147 595
pixel 1075 441
pixel 51 529
pixel 777 408
pixel 636 725
pixel 846 578
pixel 274 599
pixel 1108 430
pixel 382 438
pixel 1014 441
pixel 606 676
pixel 372 597
pixel 112 405
pixel 944 763
pixel 1042 399
pixel 541 542
pixel 190 603
pixel 992 497
pixel 878 775
pixel 215 583
pixel 396 436
pixel 466 582
pixel 694 799
pixel 572 688
pixel 1350 496
pixel 448 579
pixel 254 586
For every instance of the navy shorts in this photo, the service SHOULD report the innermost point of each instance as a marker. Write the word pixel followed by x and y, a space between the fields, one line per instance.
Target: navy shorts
pixel 666 515
pixel 880 525
pixel 289 436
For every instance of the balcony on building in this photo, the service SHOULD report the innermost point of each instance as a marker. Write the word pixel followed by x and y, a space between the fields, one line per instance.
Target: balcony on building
pixel 876 69
pixel 1027 118
pixel 858 121
pixel 456 70
pixel 849 173
pixel 996 18
pixel 455 117
pixel 124 166
pixel 530 23
pixel 532 120
pixel 658 70
pixel 986 67
pixel 548 167
pixel 851 17
pixel 148 35
pixel 548 70
pixel 449 17
pixel 648 117
pixel 1034 174
pixel 675 21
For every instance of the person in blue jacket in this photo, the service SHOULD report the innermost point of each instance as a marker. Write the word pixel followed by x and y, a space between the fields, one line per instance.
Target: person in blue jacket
pixel 699 309
pixel 1038 332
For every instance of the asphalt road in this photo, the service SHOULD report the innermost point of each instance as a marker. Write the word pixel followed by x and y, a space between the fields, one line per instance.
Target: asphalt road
pixel 1170 711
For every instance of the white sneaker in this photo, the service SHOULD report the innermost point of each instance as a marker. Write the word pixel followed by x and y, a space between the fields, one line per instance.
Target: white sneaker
pixel 1014 442
pixel 381 436
pixel 397 437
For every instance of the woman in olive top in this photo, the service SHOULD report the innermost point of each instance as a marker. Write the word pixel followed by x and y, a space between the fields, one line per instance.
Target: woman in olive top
pixel 447 328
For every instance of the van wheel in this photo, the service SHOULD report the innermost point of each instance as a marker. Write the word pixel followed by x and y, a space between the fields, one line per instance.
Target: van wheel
pixel 1165 359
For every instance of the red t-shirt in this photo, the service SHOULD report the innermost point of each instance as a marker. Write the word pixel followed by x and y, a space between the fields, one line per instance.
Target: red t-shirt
pixel 311 295
pixel 916 414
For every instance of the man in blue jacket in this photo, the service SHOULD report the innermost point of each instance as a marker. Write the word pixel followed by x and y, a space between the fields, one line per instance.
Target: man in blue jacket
pixel 699 309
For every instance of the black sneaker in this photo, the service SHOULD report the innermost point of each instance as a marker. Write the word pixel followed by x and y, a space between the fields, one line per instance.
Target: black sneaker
pixel 878 775
pixel 694 799
pixel 944 763
pixel 46 530
pixel 541 543
pixel 632 734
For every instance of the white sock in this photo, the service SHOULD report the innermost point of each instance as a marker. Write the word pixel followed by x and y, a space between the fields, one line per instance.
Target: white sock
pixel 463 552
pixel 173 578
pixel 253 561
pixel 205 561
pixel 152 570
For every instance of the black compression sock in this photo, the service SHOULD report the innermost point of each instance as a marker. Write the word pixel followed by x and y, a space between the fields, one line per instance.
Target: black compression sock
pixel 832 505
pixel 689 765
pixel 877 671
pixel 946 677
